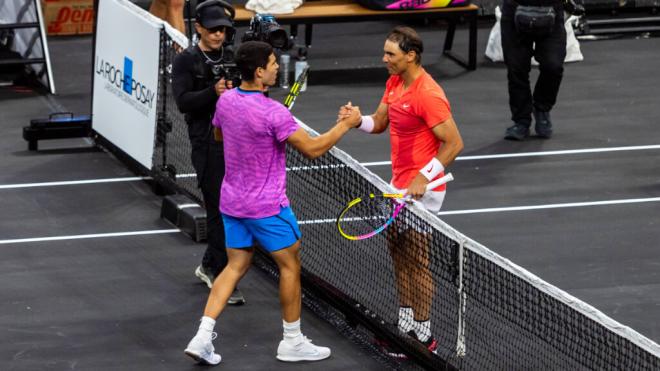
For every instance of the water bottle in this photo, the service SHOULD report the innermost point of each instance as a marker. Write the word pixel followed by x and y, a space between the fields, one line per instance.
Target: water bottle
pixel 284 71
pixel 300 66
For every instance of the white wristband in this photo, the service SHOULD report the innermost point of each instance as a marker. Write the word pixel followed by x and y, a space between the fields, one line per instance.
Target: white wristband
pixel 432 169
pixel 367 124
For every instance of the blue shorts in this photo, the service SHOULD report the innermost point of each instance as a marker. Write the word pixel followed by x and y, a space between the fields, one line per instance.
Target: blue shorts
pixel 272 233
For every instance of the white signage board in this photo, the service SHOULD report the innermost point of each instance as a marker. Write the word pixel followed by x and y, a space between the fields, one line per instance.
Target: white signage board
pixel 126 78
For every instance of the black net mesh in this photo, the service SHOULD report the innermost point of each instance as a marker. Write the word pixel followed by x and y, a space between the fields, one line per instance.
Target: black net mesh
pixel 171 160
pixel 485 312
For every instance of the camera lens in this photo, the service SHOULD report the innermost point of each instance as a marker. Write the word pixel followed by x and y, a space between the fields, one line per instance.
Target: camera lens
pixel 277 37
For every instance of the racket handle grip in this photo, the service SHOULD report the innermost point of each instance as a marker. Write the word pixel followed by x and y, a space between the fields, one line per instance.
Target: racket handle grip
pixel 440 181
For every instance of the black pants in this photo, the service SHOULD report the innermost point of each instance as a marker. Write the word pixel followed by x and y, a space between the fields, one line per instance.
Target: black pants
pixel 518 49
pixel 209 163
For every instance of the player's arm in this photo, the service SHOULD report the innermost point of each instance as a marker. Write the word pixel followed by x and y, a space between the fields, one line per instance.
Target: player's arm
pixel 380 120
pixel 448 133
pixel 313 147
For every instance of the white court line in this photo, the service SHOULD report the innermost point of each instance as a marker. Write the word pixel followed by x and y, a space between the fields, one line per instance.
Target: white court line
pixel 74 182
pixel 326 221
pixel 550 206
pixel 96 235
pixel 519 208
pixel 317 221
pixel 532 154
pixel 367 164
pixel 88 181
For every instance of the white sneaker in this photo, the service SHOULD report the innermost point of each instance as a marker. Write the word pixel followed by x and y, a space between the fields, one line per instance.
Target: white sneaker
pixel 202 350
pixel 305 351
pixel 205 276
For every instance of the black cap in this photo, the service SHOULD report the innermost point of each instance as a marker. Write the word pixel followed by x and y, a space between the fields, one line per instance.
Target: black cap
pixel 212 16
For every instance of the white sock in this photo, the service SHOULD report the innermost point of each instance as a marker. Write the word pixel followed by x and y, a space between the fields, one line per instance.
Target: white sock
pixel 206 325
pixel 406 322
pixel 292 334
pixel 423 330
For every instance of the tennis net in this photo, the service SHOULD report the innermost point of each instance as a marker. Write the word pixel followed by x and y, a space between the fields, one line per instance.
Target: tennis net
pixel 485 312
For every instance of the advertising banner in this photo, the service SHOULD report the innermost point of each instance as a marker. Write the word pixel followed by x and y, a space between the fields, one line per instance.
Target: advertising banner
pixel 126 78
pixel 68 17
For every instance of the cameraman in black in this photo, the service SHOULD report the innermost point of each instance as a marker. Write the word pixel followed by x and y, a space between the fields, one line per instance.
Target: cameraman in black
pixel 197 82
pixel 534 28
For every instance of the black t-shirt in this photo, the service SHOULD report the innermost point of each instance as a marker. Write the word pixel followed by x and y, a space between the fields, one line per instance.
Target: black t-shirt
pixel 193 81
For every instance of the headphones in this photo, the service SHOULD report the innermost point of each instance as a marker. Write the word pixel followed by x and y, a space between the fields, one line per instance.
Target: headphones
pixel 230 12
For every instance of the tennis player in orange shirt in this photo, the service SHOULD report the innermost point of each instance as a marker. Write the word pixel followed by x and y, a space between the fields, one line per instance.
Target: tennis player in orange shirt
pixel 424 140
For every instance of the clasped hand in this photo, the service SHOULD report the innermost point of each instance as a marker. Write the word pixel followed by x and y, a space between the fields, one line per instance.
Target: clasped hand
pixel 350 114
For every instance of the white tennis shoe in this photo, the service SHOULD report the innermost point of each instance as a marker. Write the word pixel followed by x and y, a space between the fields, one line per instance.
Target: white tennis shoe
pixel 303 351
pixel 202 350
pixel 205 276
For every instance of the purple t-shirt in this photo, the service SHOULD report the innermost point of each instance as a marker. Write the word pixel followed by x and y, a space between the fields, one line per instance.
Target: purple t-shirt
pixel 255 129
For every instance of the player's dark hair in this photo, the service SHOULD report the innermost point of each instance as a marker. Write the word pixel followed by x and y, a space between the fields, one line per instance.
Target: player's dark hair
pixel 408 40
pixel 250 56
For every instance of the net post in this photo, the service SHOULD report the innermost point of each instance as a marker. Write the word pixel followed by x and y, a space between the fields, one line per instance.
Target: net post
pixel 163 123
pixel 460 338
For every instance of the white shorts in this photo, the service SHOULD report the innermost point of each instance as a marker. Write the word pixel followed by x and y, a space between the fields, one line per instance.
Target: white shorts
pixel 431 201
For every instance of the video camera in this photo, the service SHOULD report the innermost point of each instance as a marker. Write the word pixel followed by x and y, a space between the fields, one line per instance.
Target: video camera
pixel 227 69
pixel 264 27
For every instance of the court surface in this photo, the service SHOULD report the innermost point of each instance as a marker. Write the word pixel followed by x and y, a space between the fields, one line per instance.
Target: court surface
pixel 579 210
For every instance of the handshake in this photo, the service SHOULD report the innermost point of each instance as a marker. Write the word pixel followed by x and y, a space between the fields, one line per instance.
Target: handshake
pixel 350 115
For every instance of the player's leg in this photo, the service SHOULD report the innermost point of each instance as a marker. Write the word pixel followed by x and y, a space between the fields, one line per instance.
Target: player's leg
pixel 240 254
pixel 280 235
pixel 288 262
pixel 238 265
pixel 294 345
pixel 159 8
pixel 201 347
pixel 423 287
pixel 175 15
pixel 402 275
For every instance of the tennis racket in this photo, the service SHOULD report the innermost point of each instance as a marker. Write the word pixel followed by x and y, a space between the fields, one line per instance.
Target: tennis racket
pixel 365 217
pixel 295 88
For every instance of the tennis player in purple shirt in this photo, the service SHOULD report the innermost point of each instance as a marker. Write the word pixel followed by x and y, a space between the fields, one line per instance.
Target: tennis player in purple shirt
pixel 253 199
